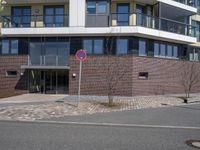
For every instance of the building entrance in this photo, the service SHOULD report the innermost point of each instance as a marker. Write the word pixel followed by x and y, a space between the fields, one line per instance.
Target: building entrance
pixel 49 81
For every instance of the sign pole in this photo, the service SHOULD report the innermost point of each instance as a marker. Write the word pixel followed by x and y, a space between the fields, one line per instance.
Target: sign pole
pixel 81 56
pixel 79 82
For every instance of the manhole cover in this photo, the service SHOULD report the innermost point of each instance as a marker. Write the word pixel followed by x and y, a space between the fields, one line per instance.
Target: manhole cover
pixel 194 143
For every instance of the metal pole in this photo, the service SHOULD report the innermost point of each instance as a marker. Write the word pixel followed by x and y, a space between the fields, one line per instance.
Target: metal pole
pixel 79 83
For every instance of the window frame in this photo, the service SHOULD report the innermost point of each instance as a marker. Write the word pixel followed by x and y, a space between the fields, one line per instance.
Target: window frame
pixel 127 40
pixel 96 4
pixel 93 45
pixel 11 76
pixel 128 21
pixel 21 23
pixel 54 23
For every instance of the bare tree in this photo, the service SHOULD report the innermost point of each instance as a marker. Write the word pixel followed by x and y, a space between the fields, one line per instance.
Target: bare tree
pixel 115 70
pixel 190 77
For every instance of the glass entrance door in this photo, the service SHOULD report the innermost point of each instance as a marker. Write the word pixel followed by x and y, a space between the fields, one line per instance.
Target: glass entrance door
pixel 50 82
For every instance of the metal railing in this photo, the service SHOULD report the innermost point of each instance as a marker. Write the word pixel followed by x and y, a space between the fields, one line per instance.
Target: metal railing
pixel 35 21
pixel 187 2
pixel 48 60
pixel 137 19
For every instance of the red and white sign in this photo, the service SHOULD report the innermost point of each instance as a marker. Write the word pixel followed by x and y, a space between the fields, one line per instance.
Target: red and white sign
pixel 81 55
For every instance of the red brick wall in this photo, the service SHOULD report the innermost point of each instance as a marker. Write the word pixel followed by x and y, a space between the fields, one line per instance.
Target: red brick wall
pixel 12 85
pixel 164 76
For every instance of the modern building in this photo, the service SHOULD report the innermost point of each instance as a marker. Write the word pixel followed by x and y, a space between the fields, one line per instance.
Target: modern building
pixel 150 38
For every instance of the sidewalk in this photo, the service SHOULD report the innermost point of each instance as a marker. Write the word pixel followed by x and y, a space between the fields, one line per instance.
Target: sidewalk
pixel 34 107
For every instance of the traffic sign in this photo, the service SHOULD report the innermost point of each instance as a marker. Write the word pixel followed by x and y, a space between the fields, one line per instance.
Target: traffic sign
pixel 81 55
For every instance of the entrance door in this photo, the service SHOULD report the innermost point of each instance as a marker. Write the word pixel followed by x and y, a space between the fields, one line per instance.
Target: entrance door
pixel 34 81
pixel 50 82
pixel 62 82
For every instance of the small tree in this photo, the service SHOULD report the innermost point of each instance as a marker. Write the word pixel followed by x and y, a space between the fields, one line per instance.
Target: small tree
pixel 190 77
pixel 115 69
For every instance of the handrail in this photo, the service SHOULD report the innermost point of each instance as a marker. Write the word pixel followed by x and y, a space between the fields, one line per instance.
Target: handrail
pixel 155 23
pixel 186 3
pixel 16 21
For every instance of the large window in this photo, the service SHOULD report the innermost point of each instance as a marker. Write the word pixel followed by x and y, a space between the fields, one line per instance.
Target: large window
pixel 93 46
pixel 91 7
pixel 169 51
pixel 9 47
pixel 165 50
pixel 14 46
pixel 122 46
pixel 97 7
pixel 162 50
pixel 54 16
pixel 196 30
pixel 140 10
pixel 5 47
pixel 142 48
pixel 123 14
pixel 156 49
pixel 21 16
pixel 87 45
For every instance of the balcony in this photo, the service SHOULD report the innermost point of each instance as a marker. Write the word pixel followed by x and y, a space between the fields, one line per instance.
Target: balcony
pixel 47 62
pixel 147 21
pixel 187 2
pixel 36 21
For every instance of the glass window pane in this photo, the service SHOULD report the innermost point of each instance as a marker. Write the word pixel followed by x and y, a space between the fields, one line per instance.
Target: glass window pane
pixel 16 12
pixel 98 46
pixel 142 48
pixel 156 49
pixel 123 9
pixel 48 19
pixel 59 19
pixel 49 11
pixel 169 51
pixel 14 46
pixel 59 11
pixel 87 45
pixel 122 46
pixel 122 15
pixel 26 20
pixel 26 11
pixel 35 52
pixel 175 51
pixel 5 46
pixel 102 7
pixel 162 50
pixel 91 7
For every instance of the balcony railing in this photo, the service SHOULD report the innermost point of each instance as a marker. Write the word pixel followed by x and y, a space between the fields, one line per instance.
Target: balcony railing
pixel 187 2
pixel 137 19
pixel 35 21
pixel 48 60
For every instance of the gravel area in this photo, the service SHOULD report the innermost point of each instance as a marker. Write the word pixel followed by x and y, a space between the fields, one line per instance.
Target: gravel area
pixel 67 107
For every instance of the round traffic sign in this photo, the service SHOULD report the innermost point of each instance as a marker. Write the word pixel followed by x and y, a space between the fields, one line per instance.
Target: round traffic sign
pixel 81 55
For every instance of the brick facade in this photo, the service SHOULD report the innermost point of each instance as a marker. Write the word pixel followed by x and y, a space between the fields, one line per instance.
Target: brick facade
pixel 164 76
pixel 13 85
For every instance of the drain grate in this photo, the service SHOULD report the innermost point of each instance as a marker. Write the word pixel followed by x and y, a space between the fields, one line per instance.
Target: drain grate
pixel 193 143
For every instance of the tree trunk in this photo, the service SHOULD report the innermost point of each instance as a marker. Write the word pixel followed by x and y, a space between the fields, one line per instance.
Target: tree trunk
pixel 110 99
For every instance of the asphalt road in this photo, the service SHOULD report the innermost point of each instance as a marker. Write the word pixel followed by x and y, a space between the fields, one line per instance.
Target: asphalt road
pixel 44 136
pixel 187 115
pixel 52 135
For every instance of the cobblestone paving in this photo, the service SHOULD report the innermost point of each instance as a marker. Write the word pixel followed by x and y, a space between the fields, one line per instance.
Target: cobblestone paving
pixel 88 105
